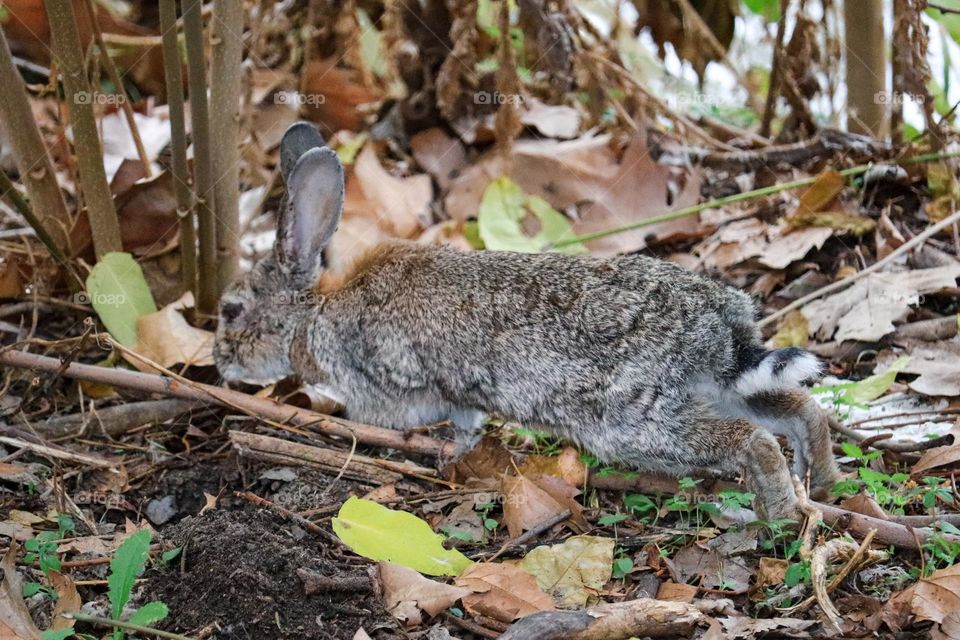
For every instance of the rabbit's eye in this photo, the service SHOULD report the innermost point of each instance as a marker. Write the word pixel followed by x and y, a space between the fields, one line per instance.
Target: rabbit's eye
pixel 230 310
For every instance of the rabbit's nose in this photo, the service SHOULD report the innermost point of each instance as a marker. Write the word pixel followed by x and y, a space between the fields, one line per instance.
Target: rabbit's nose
pixel 230 310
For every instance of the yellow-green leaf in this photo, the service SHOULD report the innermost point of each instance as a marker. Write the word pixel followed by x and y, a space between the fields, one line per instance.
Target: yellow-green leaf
pixel 503 210
pixel 571 572
pixel 119 294
pixel 376 532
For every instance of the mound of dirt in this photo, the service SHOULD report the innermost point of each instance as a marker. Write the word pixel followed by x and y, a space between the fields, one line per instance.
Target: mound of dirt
pixel 238 577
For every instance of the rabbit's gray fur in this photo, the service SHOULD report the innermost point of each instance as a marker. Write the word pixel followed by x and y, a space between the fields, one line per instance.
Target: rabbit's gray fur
pixel 635 359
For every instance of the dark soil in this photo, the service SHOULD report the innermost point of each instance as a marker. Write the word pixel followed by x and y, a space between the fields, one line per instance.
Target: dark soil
pixel 237 577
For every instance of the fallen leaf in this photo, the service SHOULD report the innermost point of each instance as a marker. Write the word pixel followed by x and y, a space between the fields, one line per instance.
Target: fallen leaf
pixel 378 533
pixel 572 572
pixel 526 505
pixel 744 627
pixel 489 459
pixel 333 96
pixel 868 309
pixel 464 522
pixel 502 591
pixel 15 530
pixel 25 517
pixel 361 635
pixel 567 466
pixel 821 194
pixel 711 569
pixel 406 592
pixel 439 154
pixel 937 364
pixel 587 174
pixel 15 620
pixel 166 337
pixel 553 121
pixel 119 294
pixel 793 331
pixel 937 595
pixel 68 600
pixel 676 592
pixel 772 572
pixel 785 246
pixel 939 456
pixel 507 214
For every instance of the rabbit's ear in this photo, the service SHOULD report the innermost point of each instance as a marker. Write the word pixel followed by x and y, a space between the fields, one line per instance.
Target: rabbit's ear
pixel 299 138
pixel 312 212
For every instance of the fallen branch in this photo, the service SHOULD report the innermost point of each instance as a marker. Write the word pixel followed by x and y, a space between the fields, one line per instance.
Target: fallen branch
pixel 116 420
pixel 289 515
pixel 644 617
pixel 280 414
pixel 277 450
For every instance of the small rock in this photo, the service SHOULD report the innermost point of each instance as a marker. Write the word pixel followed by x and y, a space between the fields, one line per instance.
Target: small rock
pixel 161 510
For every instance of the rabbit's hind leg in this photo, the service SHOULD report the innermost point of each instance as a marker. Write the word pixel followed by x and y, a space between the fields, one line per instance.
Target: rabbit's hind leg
pixel 698 437
pixel 795 414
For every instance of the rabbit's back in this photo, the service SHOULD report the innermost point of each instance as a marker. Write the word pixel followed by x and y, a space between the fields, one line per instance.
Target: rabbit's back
pixel 541 338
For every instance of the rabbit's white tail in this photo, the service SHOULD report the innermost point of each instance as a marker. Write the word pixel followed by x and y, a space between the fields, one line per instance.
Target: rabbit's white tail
pixel 780 369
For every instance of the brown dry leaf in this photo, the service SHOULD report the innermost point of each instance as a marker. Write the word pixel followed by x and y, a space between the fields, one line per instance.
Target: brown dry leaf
pixel 938 595
pixel 773 246
pixel 821 194
pixel 488 460
pixel 406 592
pixel 567 466
pixel 502 591
pixel 744 627
pixel 937 364
pixel 564 493
pixel 382 493
pixel 209 502
pixel 711 568
pixel 333 96
pixel 525 505
pixel 15 530
pixel 93 545
pixel 439 154
pixel 553 121
pixel 167 338
pixel 400 204
pixel 868 308
pixel 465 520
pixel 11 285
pixel 148 214
pixel 586 173
pixel 361 635
pixel 772 572
pixel 939 456
pixel 676 592
pixel 572 572
pixel 864 504
pixel 68 600
pixel 15 620
pixel 25 517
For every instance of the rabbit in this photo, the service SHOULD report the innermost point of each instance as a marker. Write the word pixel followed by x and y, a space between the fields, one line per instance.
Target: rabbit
pixel 635 359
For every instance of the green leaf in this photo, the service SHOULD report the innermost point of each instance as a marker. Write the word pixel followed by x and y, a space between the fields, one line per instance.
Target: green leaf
pixel 612 518
pixel 126 565
pixel 370 45
pixel 170 554
pixel 768 9
pixel 795 574
pixel 376 532
pixel 56 634
pixel 878 384
pixel 30 589
pixel 503 209
pixel 639 502
pixel 119 294
pixel 851 450
pixel 149 613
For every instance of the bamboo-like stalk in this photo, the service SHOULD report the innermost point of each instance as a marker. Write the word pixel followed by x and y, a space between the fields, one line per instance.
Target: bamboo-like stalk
pixel 202 168
pixel 104 225
pixel 225 71
pixel 114 76
pixel 33 162
pixel 178 140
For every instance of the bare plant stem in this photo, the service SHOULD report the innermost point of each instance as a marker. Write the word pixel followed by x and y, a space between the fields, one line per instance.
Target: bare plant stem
pixel 202 167
pixel 104 225
pixel 773 90
pixel 178 139
pixel 33 162
pixel 225 68
pixel 83 617
pixel 117 81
